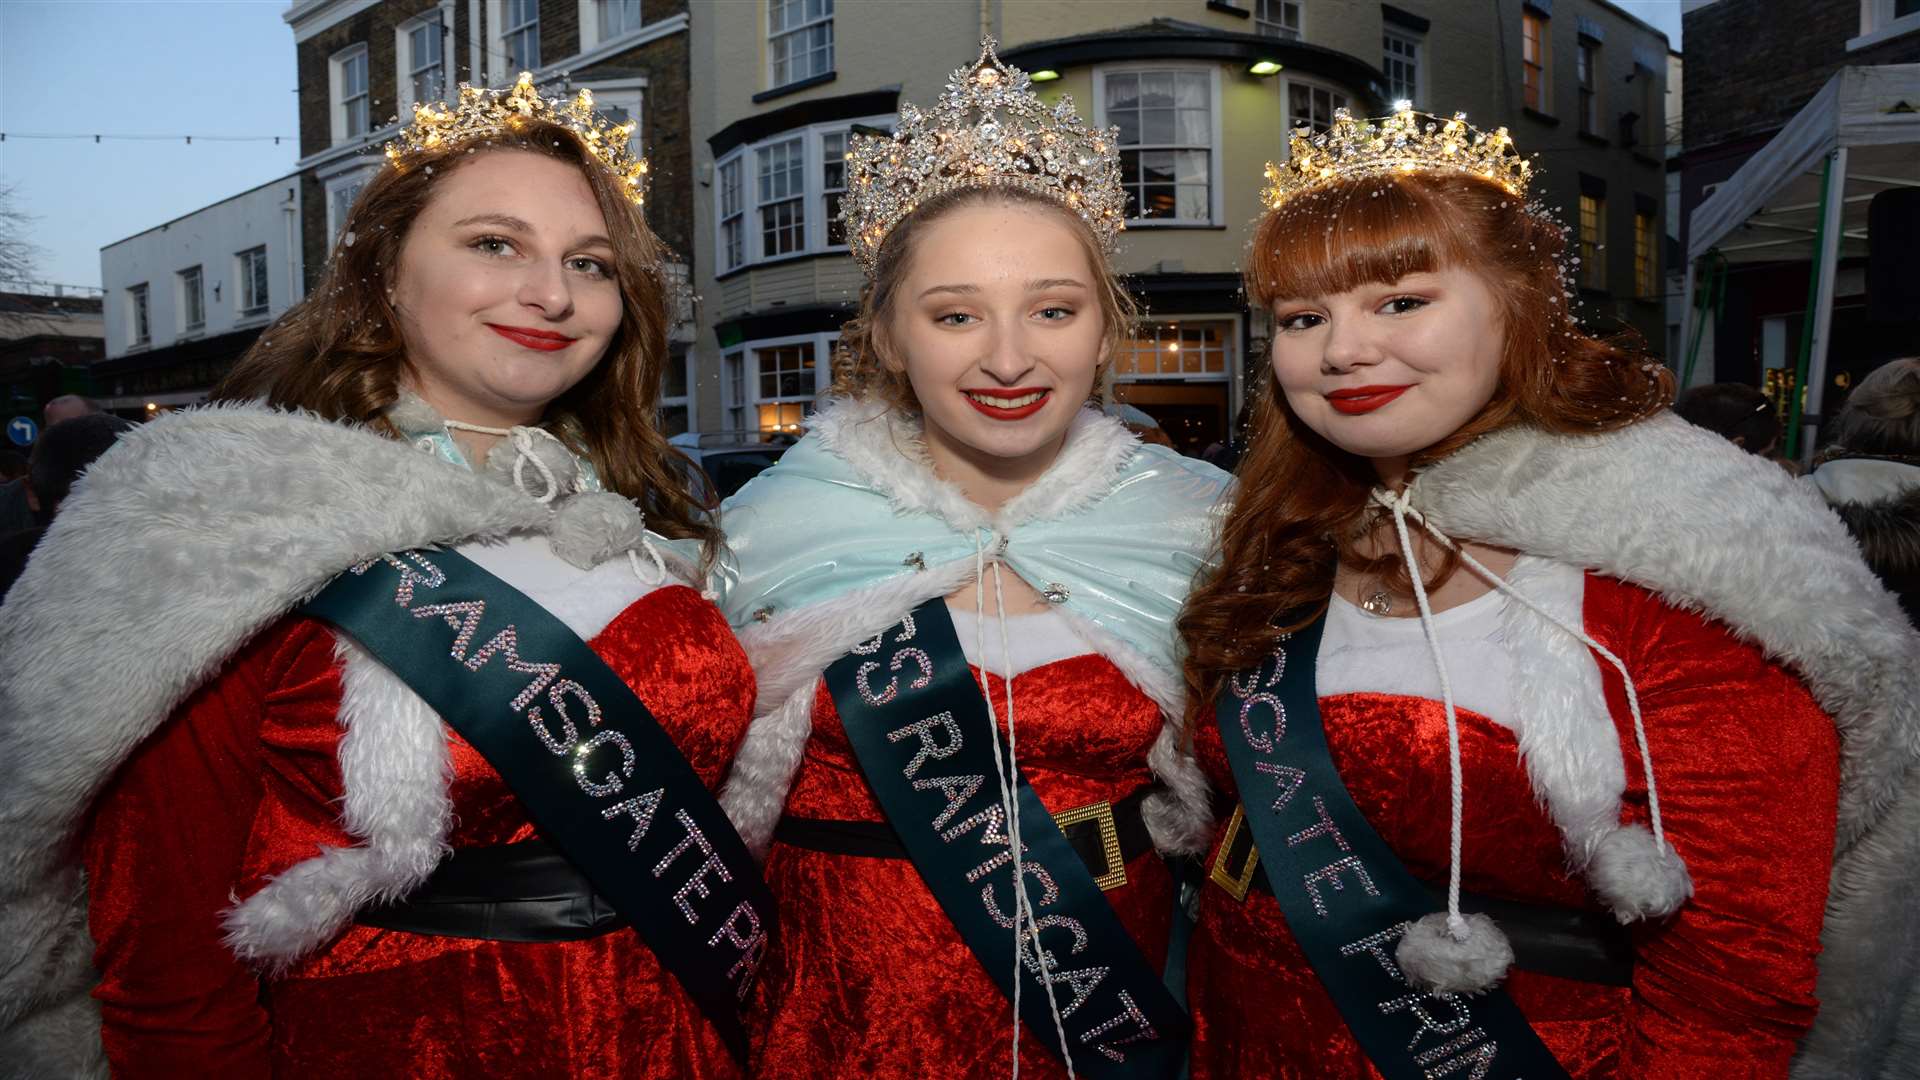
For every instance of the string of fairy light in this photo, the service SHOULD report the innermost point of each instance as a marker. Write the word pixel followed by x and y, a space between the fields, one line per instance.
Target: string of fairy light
pixel 104 137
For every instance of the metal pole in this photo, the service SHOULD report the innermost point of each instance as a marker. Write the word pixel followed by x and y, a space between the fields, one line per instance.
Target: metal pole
pixel 1830 234
pixel 1688 320
pixel 1797 393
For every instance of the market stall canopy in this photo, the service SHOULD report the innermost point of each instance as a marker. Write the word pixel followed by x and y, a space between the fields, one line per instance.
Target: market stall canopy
pixel 1770 210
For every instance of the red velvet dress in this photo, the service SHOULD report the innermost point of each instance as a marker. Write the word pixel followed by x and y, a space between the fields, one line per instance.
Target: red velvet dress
pixel 867 977
pixel 1748 773
pixel 243 783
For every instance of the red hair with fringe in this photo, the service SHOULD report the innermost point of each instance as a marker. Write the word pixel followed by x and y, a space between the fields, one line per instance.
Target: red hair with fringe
pixel 1301 502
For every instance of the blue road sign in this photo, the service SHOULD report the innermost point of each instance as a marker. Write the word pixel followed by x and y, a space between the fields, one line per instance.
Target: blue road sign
pixel 21 431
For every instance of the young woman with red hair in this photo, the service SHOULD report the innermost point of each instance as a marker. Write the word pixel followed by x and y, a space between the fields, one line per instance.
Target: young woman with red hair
pixel 1540 774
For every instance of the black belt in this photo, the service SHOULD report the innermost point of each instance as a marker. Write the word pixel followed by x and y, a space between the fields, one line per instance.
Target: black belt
pixel 1106 835
pixel 507 892
pixel 1568 943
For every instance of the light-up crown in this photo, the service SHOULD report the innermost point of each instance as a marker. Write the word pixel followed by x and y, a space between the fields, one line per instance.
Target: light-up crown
pixel 1405 142
pixel 1016 141
pixel 485 114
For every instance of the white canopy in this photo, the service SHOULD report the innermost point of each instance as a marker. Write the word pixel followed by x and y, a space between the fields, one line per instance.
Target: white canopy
pixel 1861 132
pixel 1769 210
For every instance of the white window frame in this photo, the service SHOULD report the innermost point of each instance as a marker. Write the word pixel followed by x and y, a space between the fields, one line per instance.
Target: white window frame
pixel 337 92
pixel 788 158
pixel 1230 359
pixel 688 400
pixel 1214 187
pixel 804 26
pixel 734 185
pixel 1277 27
pixel 509 68
pixel 1287 83
pixel 1878 24
pixel 191 285
pixel 1417 42
pixel 336 218
pixel 746 159
pixel 139 315
pixel 407 66
pixel 246 305
pixel 740 395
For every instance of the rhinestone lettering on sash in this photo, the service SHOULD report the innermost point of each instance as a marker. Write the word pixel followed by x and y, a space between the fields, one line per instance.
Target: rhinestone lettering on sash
pixel 1439 1030
pixel 965 809
pixel 601 764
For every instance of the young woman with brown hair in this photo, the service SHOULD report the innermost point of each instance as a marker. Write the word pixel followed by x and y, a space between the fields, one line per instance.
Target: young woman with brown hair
pixel 958 592
pixel 1495 691
pixel 365 691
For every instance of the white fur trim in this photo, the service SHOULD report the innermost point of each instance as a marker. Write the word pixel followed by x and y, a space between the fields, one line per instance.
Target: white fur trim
pixel 394 770
pixel 187 538
pixel 1434 961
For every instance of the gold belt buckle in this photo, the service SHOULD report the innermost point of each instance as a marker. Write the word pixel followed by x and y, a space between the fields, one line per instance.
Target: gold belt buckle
pixel 1235 882
pixel 1101 813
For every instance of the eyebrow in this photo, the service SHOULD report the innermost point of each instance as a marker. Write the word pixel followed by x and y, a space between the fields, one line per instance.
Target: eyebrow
pixel 508 221
pixel 1037 285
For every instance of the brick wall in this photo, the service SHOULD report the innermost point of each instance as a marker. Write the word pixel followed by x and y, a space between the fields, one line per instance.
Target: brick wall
pixel 1752 64
pixel 665 126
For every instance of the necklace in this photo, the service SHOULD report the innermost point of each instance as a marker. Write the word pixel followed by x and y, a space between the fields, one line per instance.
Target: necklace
pixel 1378 602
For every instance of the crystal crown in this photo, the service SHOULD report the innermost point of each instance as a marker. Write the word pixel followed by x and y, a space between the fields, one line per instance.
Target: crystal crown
pixel 989 129
pixel 483 114
pixel 1404 142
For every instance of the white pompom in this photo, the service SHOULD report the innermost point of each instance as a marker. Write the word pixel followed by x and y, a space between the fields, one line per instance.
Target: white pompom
pixel 1434 960
pixel 590 528
pixel 1636 877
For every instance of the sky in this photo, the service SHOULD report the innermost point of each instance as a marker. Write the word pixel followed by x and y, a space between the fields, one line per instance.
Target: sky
pixel 178 68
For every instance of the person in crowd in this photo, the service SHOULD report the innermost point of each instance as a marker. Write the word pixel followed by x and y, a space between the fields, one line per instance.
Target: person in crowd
pixel 1736 412
pixel 60 455
pixel 1539 774
pixel 364 693
pixel 16 499
pixel 1870 475
pixel 69 407
pixel 958 592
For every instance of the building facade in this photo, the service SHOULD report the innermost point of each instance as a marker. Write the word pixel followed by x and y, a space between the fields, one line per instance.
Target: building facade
pixel 184 299
pixel 1769 58
pixel 363 64
pixel 1204 93
pixel 51 336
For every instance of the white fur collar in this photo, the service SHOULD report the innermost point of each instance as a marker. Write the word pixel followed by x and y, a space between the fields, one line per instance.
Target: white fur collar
pixel 1710 528
pixel 889 451
pixel 190 536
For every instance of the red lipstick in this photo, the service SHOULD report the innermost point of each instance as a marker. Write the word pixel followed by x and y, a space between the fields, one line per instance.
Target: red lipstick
pixel 1020 394
pixel 1364 399
pixel 543 340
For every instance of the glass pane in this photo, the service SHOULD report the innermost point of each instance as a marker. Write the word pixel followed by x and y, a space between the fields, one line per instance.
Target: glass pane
pixel 1159 201
pixel 1191 166
pixel 1156 165
pixel 1123 91
pixel 1156 127
pixel 1193 128
pixel 1129 124
pixel 1191 90
pixel 1193 202
pixel 1130 167
pixel 1156 89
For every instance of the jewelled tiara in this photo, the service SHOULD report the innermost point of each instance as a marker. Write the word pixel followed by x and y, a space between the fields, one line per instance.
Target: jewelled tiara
pixel 483 114
pixel 989 129
pixel 1404 142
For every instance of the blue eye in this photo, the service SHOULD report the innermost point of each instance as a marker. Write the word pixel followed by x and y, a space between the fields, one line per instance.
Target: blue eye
pixel 1400 305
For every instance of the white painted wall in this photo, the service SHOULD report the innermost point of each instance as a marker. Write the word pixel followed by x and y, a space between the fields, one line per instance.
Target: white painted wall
pixel 210 238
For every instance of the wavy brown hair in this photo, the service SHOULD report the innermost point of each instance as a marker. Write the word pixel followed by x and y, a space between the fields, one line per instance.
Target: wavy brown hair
pixel 339 352
pixel 861 366
pixel 1302 503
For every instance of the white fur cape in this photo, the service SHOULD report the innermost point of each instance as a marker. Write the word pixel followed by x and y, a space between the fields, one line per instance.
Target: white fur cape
pixel 191 535
pixel 867 497
pixel 1712 529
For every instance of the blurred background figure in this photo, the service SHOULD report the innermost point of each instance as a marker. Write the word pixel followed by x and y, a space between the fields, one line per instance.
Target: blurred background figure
pixel 62 453
pixel 1871 475
pixel 69 407
pixel 16 502
pixel 1737 412
pixel 1140 423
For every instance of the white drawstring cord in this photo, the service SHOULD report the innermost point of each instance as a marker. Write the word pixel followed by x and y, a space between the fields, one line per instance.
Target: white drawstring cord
pixel 659 564
pixel 1010 804
pixel 522 440
pixel 1456 922
pixel 1633 696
